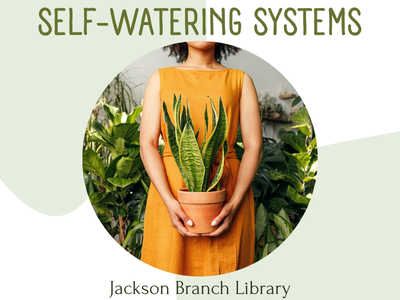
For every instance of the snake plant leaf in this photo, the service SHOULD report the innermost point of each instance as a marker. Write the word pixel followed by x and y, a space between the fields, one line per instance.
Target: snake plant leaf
pixel 220 169
pixel 111 112
pixel 177 108
pixel 205 130
pixel 197 134
pixel 174 146
pixel 183 118
pixel 123 182
pixel 127 167
pixel 215 140
pixel 189 118
pixel 125 131
pixel 191 160
pixel 92 163
pixel 133 116
pixel 214 114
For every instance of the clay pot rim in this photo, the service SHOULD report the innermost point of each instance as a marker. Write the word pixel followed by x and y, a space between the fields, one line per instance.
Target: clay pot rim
pixel 205 197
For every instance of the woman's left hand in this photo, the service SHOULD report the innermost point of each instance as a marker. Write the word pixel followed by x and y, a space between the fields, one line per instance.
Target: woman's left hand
pixel 224 220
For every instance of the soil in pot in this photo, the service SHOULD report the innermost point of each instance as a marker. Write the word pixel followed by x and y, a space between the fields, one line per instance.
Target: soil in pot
pixel 202 208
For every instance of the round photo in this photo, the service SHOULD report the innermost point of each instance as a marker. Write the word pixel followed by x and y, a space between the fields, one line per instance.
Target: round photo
pixel 200 158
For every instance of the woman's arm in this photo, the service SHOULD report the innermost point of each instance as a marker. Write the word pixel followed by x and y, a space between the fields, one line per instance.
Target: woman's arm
pixel 250 125
pixel 149 136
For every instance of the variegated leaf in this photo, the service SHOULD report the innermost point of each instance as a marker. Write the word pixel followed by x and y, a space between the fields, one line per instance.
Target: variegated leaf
pixel 220 169
pixel 191 160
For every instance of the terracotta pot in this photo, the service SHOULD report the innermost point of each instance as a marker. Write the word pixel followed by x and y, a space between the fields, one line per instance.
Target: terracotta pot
pixel 201 208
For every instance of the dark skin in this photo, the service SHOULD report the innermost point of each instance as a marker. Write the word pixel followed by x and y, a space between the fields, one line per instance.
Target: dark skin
pixel 201 57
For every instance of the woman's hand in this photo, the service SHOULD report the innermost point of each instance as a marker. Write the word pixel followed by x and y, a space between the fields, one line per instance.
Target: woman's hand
pixel 224 219
pixel 178 218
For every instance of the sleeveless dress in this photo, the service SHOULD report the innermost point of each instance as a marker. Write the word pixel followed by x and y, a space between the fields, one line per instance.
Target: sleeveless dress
pixel 163 246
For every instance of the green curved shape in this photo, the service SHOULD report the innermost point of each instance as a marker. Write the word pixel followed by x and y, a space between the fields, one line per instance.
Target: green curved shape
pixel 176 111
pixel 216 140
pixel 92 163
pixel 174 146
pixel 220 169
pixel 205 130
pixel 190 158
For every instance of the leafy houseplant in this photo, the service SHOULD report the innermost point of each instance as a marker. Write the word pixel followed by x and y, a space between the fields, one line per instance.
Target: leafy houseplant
pixel 194 162
pixel 284 182
pixel 117 186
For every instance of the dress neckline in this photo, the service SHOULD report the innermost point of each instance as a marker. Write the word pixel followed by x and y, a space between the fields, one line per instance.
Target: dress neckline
pixel 201 70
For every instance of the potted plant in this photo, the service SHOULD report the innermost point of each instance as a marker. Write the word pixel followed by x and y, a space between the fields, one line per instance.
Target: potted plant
pixel 202 201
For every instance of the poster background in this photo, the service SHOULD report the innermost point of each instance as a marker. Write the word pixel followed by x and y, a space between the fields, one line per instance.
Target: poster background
pixel 53 245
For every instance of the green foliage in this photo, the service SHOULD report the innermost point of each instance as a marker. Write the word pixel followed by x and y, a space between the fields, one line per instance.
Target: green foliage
pixel 284 182
pixel 194 162
pixel 117 185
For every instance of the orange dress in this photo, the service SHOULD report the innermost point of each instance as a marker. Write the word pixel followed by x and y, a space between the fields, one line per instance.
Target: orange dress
pixel 163 246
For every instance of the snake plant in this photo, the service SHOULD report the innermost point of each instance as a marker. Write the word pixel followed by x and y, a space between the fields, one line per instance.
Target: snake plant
pixel 194 162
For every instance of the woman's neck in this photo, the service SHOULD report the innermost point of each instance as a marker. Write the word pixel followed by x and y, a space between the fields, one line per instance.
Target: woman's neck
pixel 201 59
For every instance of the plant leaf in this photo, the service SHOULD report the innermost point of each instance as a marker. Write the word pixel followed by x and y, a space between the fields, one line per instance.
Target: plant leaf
pixel 174 146
pixel 127 167
pixel 123 182
pixel 88 183
pixel 189 118
pixel 274 175
pixel 133 116
pixel 220 169
pixel 296 101
pixel 205 130
pixel 177 108
pixel 111 112
pixel 284 226
pixel 302 159
pixel 191 160
pixel 183 118
pixel 261 221
pixel 296 197
pixel 215 140
pixel 125 131
pixel 92 163
pixel 293 140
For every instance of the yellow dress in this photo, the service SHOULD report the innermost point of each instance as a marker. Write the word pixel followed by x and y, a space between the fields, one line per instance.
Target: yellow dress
pixel 163 246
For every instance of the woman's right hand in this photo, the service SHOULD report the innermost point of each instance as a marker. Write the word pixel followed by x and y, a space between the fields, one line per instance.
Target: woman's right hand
pixel 178 218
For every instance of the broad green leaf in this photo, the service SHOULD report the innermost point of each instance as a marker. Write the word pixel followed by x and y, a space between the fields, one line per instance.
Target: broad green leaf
pixel 191 159
pixel 112 167
pixel 307 179
pixel 88 183
pixel 215 140
pixel 101 184
pixel 111 112
pixel 205 130
pixel 220 169
pixel 127 167
pixel 296 197
pixel 121 211
pixel 122 182
pixel 132 232
pixel 296 101
pixel 269 235
pixel 302 159
pixel 104 198
pixel 119 147
pixel 174 146
pixel 301 117
pixel 104 218
pixel 277 204
pixel 293 140
pixel 264 252
pixel 94 136
pixel 125 131
pixel 313 144
pixel 92 163
pixel 133 150
pixel 271 247
pixel 284 215
pixel 303 128
pixel 103 132
pixel 133 116
pixel 313 168
pixel 275 175
pixel 261 221
pixel 284 226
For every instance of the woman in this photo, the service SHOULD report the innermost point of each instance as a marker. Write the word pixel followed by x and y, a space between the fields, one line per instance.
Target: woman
pixel 167 244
